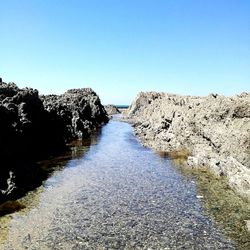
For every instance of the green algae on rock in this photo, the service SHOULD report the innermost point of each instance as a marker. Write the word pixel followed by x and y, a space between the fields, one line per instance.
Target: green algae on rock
pixel 230 211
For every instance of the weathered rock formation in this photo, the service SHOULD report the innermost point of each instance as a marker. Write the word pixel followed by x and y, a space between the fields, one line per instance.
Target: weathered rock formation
pixel 33 128
pixel 111 109
pixel 79 110
pixel 214 129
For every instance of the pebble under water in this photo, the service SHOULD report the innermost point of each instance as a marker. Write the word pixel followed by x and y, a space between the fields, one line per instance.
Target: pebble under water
pixel 118 195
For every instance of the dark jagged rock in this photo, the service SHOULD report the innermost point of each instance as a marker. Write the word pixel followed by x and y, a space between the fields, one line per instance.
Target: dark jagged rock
pixel 33 128
pixel 79 110
pixel 27 130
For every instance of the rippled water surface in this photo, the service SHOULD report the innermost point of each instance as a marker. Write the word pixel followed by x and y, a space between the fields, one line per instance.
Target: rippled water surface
pixel 119 195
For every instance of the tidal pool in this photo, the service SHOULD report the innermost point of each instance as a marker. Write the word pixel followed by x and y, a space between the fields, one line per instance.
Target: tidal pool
pixel 117 195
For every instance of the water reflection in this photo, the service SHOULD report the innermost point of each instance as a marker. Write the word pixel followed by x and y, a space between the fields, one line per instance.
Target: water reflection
pixel 119 195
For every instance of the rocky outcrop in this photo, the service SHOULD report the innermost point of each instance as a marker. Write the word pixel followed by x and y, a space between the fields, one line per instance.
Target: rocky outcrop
pixel 111 109
pixel 34 127
pixel 214 129
pixel 79 111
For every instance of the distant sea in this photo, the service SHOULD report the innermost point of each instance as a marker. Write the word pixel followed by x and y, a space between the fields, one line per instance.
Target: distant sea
pixel 122 106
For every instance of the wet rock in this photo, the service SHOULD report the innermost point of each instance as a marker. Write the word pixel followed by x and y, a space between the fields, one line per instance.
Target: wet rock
pixel 10 184
pixel 215 129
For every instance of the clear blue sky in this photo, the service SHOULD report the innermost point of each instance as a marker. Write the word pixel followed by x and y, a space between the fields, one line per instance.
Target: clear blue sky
pixel 121 47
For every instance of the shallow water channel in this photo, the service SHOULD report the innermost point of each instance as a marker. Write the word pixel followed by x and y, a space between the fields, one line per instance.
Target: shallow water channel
pixel 117 195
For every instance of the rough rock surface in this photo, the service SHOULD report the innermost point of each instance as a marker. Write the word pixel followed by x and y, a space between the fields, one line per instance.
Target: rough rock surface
pixel 79 110
pixel 111 109
pixel 33 128
pixel 214 129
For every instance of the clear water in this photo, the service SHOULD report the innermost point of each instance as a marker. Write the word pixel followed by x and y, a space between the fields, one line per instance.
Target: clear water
pixel 119 195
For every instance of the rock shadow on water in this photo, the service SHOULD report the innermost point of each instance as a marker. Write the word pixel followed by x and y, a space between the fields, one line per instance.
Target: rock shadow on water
pixel 24 202
pixel 24 181
pixel 230 212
